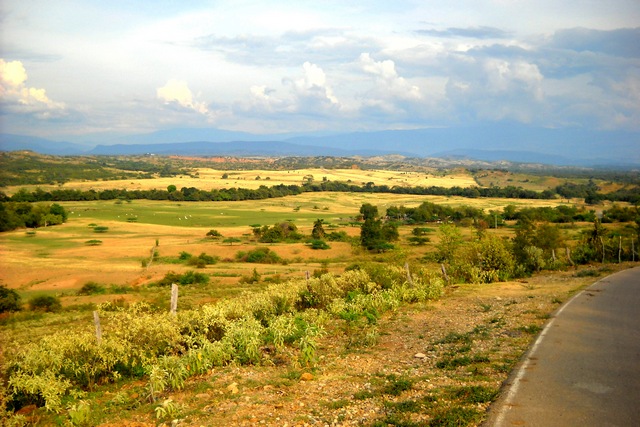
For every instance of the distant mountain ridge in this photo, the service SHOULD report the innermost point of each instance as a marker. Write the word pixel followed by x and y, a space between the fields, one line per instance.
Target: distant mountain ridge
pixel 504 142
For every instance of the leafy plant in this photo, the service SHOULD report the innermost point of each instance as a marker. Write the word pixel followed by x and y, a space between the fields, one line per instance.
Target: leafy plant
pixel 45 303
pixel 9 300
pixel 92 288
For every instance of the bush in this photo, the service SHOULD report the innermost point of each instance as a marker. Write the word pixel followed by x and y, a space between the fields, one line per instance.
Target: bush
pixel 92 288
pixel 48 303
pixel 9 300
pixel 100 229
pixel 214 234
pixel 319 244
pixel 188 278
pixel 259 255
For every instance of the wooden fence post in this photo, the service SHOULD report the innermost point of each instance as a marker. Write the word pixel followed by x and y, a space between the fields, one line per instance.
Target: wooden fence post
pixel 444 273
pixel 174 299
pixel 409 278
pixel 620 249
pixel 96 321
pixel 569 256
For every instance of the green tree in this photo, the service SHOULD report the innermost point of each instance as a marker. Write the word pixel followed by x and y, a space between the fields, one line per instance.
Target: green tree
pixel 450 241
pixel 369 211
pixel 370 233
pixel 318 230
pixel 172 188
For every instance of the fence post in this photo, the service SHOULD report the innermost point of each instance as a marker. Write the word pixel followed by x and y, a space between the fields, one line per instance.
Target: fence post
pixel 174 299
pixel 409 278
pixel 569 256
pixel 444 273
pixel 96 321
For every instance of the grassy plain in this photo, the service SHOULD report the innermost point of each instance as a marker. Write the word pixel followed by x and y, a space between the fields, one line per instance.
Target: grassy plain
pixel 211 178
pixel 58 258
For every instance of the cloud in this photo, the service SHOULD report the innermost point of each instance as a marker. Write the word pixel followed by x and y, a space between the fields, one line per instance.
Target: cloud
pixel 17 97
pixel 469 32
pixel 624 42
pixel 311 91
pixel 388 84
pixel 328 45
pixel 497 89
pixel 178 92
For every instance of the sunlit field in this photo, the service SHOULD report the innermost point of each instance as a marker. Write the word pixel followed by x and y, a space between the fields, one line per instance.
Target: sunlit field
pixel 209 179
pixel 59 258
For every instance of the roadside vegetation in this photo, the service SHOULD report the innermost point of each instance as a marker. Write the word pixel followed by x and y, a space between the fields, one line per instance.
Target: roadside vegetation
pixel 403 310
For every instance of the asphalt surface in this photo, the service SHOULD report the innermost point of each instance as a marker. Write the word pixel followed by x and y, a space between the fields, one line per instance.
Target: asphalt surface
pixel 584 368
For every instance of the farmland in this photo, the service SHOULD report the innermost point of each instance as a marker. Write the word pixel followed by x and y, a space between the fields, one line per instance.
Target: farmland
pixel 353 320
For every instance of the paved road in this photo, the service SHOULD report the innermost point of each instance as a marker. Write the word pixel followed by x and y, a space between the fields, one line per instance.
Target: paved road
pixel 584 368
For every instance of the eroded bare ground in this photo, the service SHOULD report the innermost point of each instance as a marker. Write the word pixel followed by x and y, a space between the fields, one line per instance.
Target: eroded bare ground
pixel 431 362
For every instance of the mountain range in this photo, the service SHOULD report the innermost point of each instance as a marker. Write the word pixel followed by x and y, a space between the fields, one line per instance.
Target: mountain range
pixel 511 142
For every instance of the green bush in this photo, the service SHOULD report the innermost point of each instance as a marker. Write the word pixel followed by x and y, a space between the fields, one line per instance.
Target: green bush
pixel 188 278
pixel 259 255
pixel 319 244
pixel 214 234
pixel 9 300
pixel 92 288
pixel 45 303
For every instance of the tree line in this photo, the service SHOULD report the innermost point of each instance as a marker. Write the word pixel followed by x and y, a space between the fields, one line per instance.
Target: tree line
pixel 263 192
pixel 15 215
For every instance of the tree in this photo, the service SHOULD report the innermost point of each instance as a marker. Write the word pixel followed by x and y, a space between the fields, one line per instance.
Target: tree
pixel 370 233
pixel 318 230
pixel 450 240
pixel 231 240
pixel 214 234
pixel 373 234
pixel 369 211
pixel 172 188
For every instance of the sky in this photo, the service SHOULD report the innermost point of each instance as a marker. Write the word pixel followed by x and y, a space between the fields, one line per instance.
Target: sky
pixel 76 68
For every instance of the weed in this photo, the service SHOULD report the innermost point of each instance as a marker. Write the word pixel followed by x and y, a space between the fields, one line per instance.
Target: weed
pixel 404 406
pixel 454 337
pixel 587 273
pixel 530 329
pixel 337 404
pixel 396 385
pixel 485 308
pixel 363 395
pixel 473 394
pixel 455 416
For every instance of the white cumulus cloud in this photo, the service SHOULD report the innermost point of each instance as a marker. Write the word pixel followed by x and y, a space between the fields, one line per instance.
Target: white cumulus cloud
pixel 389 83
pixel 177 91
pixel 18 97
pixel 314 83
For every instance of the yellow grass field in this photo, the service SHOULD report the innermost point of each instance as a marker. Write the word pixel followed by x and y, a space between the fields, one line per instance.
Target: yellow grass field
pixel 209 179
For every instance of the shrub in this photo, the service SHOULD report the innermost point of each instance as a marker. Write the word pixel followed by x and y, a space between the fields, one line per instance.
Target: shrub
pixel 319 244
pixel 9 300
pixel 259 255
pixel 45 303
pixel 214 234
pixel 100 229
pixel 188 278
pixel 92 288
pixel 93 242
